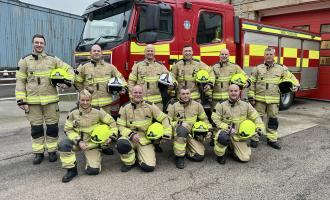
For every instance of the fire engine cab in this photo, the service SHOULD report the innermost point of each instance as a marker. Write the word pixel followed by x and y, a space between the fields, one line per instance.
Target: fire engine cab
pixel 124 27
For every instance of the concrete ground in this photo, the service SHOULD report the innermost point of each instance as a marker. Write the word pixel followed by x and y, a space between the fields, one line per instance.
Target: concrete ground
pixel 301 170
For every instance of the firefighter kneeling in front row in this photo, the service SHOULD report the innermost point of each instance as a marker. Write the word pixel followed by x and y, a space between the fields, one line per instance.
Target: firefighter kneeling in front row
pixel 191 127
pixel 138 132
pixel 87 129
pixel 237 122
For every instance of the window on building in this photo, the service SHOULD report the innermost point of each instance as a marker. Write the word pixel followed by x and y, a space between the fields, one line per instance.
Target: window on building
pixel 325 28
pixel 165 31
pixel 209 28
pixel 325 44
pixel 302 27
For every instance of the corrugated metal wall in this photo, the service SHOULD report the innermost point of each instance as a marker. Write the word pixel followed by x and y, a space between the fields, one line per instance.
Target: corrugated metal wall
pixel 20 21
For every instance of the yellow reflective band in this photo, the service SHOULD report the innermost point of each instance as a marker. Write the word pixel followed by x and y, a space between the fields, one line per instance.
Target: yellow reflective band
pixel 219 151
pixel 121 122
pixel 68 124
pixel 42 99
pixel 153 98
pixel 102 80
pixel 151 78
pixel 72 135
pixel 107 119
pixel 52 145
pixel 263 28
pixel 160 117
pixel 101 101
pixel 21 75
pixel 79 78
pixel 37 147
pixel 128 159
pixel 40 74
pixel 223 79
pixel 67 159
pixel 178 146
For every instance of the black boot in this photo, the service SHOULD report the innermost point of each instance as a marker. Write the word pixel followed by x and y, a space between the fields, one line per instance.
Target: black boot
pixel 221 160
pixel 92 171
pixel 107 151
pixel 158 148
pixel 38 158
pixel 70 174
pixel 52 157
pixel 274 145
pixel 253 144
pixel 126 168
pixel 179 162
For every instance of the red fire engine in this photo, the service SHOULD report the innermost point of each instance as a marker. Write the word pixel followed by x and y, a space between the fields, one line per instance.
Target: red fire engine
pixel 124 27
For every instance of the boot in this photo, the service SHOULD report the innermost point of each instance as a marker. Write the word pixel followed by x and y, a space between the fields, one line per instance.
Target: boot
pixel 126 168
pixel 274 145
pixel 221 160
pixel 107 151
pixel 70 174
pixel 38 158
pixel 92 171
pixel 179 162
pixel 253 144
pixel 52 157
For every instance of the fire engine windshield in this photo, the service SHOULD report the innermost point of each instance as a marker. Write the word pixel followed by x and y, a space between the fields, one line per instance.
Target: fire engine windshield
pixel 106 25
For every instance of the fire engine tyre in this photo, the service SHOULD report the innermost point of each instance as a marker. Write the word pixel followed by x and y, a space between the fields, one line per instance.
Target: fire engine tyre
pixel 286 100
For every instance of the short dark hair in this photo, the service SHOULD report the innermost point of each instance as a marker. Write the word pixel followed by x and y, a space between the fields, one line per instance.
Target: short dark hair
pixel 39 36
pixel 187 45
pixel 185 88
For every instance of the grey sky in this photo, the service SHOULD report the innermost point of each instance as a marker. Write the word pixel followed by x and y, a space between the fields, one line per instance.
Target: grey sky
pixel 71 6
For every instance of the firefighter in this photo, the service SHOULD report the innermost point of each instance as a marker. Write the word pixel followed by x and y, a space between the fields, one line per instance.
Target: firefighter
pixel 98 74
pixel 36 95
pixel 184 115
pixel 264 93
pixel 87 129
pixel 230 117
pixel 223 72
pixel 134 121
pixel 185 70
pixel 147 73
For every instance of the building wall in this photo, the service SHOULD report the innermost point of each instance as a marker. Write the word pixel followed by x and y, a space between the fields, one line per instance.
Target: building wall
pixel 20 21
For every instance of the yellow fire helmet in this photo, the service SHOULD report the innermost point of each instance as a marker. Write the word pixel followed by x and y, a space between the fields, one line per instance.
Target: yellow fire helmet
pixel 247 129
pixel 200 128
pixel 286 85
pixel 101 133
pixel 202 76
pixel 239 79
pixel 59 75
pixel 155 131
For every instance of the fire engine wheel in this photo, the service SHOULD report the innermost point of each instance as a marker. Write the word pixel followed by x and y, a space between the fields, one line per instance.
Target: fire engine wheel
pixel 286 100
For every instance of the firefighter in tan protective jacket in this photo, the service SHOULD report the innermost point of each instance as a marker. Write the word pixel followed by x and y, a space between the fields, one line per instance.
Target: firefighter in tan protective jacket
pixel 223 72
pixel 147 73
pixel 134 122
pixel 185 115
pixel 228 117
pixel 96 74
pixel 87 129
pixel 264 93
pixel 185 71
pixel 37 95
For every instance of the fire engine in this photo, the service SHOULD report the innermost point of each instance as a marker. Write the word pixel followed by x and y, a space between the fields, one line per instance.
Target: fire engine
pixel 124 27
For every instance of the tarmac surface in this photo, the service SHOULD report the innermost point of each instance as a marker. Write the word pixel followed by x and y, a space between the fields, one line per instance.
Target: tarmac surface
pixel 301 170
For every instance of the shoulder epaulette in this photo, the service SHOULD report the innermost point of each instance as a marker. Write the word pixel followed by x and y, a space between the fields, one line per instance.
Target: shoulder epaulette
pixel 125 104
pixel 138 61
pixel 179 60
pixel 27 55
pixel 196 60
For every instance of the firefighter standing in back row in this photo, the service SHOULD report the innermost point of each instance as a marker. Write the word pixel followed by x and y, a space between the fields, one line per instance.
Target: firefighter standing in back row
pixel 38 97
pixel 223 72
pixel 229 118
pixel 187 115
pixel 264 93
pixel 99 75
pixel 134 124
pixel 185 71
pixel 147 73
pixel 87 129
